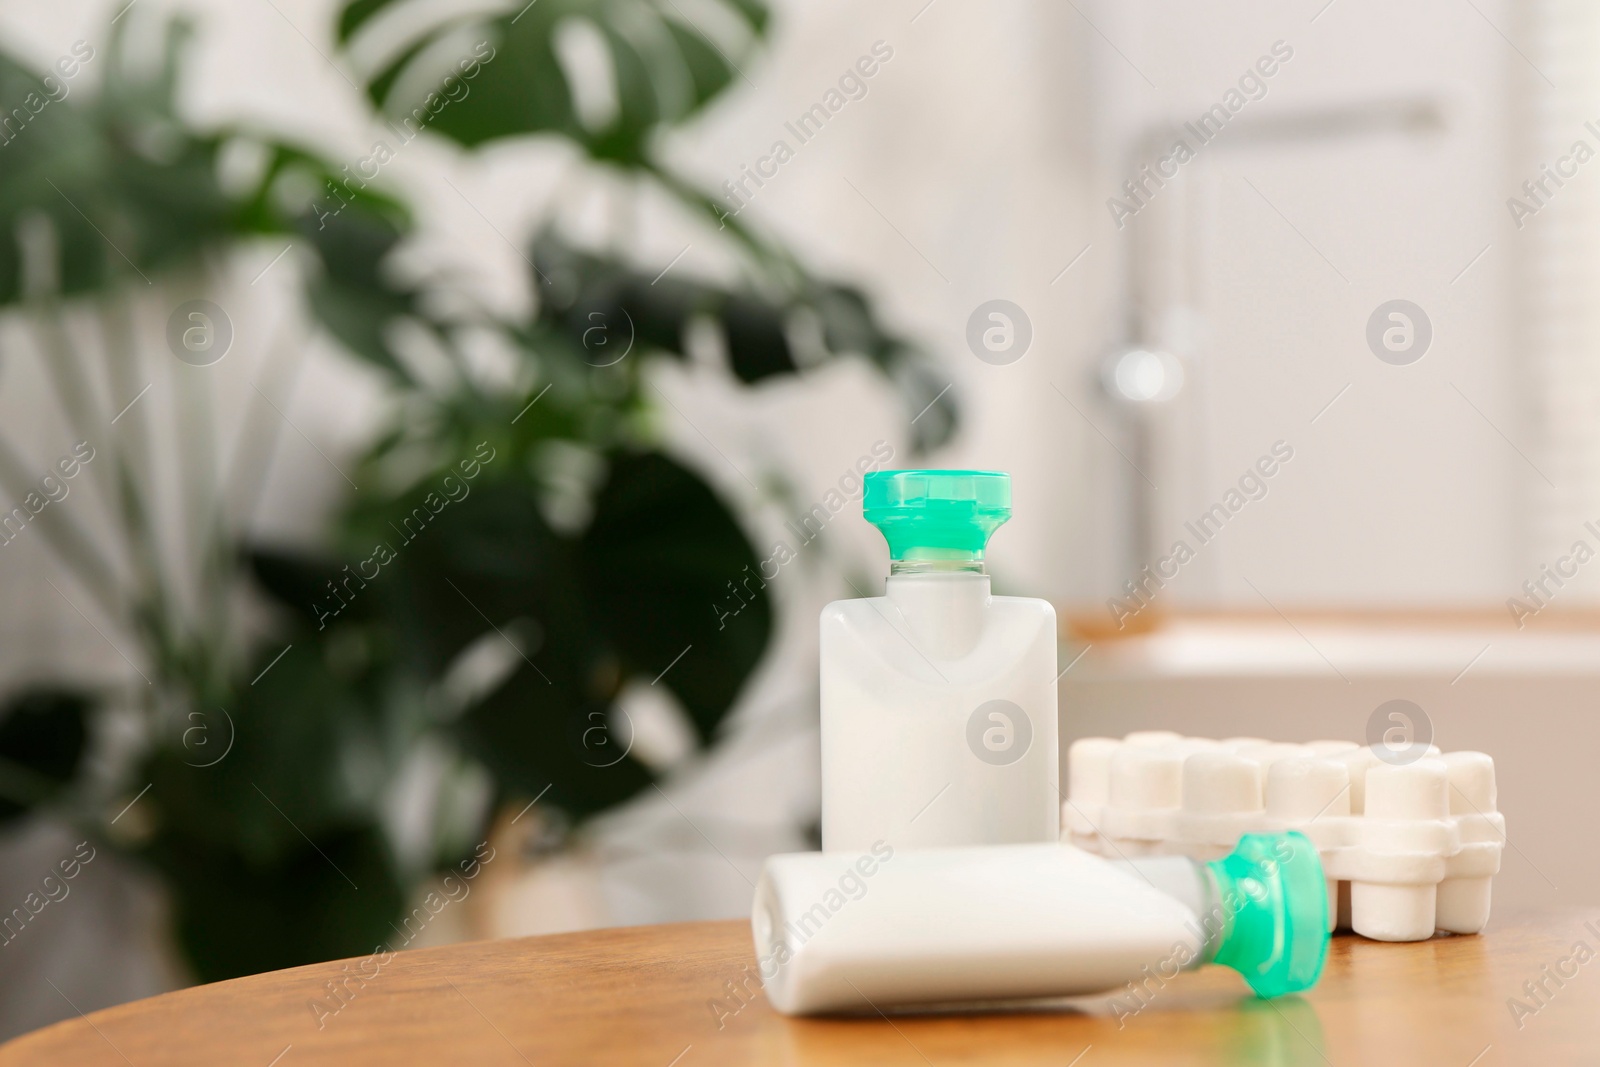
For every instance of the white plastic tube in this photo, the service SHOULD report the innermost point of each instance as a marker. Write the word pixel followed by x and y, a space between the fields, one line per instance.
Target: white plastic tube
pixel 846 931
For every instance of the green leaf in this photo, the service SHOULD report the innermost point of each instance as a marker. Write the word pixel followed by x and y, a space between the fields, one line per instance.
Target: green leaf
pixel 543 741
pixel 675 585
pixel 758 347
pixel 353 298
pixel 306 584
pixel 647 579
pixel 488 560
pixel 520 89
pixel 356 14
pixel 849 325
pixel 43 735
pixel 316 901
pixel 489 568
pixel 710 72
pixel 49 167
pixel 97 189
pixel 660 309
pixel 279 761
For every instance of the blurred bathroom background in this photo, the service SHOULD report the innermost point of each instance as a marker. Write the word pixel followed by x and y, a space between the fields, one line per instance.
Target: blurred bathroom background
pixel 1367 274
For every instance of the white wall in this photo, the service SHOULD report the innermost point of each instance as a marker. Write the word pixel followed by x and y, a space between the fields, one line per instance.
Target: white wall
pixel 1401 493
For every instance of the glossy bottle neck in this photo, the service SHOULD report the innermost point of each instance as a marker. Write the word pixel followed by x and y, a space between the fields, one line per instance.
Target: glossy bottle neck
pixel 954 563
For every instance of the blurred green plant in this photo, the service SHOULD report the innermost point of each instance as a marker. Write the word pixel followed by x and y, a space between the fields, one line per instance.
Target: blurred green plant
pixel 521 548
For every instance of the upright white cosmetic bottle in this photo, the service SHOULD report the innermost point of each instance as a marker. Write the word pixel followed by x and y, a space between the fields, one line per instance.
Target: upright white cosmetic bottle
pixel 938 698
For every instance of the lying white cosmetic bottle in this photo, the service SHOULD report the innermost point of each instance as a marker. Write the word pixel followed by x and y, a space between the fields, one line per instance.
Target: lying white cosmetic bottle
pixel 892 927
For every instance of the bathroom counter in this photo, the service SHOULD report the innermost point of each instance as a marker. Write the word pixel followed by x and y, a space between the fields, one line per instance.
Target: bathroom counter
pixel 660 996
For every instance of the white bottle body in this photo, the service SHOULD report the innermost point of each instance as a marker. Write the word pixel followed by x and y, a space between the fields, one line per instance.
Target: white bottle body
pixel 938 717
pixel 846 931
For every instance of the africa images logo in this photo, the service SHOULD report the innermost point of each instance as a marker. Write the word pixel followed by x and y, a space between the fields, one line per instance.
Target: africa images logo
pixel 999 732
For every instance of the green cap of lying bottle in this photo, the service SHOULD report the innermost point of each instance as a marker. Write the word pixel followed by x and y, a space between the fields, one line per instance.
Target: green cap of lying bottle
pixel 1274 893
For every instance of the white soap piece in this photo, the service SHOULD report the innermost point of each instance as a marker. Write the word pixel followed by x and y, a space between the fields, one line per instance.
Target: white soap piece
pixel 1464 904
pixel 1089 769
pixel 1419 790
pixel 1146 778
pixel 1307 789
pixel 1472 783
pixel 1221 802
pixel 1392 912
pixel 1088 786
pixel 1405 847
pixel 1220 782
pixel 1145 791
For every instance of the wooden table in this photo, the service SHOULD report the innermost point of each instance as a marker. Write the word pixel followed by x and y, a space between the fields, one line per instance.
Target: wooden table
pixel 650 996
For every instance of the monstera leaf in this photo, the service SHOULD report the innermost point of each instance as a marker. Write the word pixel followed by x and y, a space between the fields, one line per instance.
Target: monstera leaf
pixel 661 538
pixel 638 595
pixel 117 186
pixel 112 186
pixel 592 297
pixel 475 78
pixel 635 596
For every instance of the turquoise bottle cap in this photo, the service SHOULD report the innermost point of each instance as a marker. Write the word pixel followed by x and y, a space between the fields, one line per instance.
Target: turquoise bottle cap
pixel 1273 888
pixel 937 514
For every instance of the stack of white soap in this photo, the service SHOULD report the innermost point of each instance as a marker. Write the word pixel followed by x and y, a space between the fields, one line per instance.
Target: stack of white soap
pixel 1408 848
